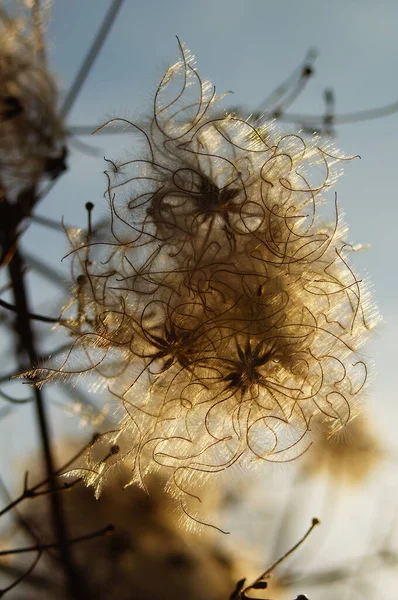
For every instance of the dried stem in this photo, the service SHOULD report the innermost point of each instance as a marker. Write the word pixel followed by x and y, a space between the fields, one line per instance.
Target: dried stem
pixel 31 492
pixel 90 57
pixel 41 547
pixel 26 339
pixel 32 316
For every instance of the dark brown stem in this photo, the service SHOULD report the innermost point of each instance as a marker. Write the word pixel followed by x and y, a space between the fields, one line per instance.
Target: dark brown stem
pixel 26 341
pixel 90 58
pixel 261 581
pixel 32 316
pixel 21 577
pixel 32 493
pixel 41 547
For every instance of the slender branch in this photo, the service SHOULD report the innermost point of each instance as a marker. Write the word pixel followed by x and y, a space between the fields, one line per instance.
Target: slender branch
pixel 31 492
pixel 34 316
pixel 50 223
pixel 260 582
pixel 314 523
pixel 23 576
pixel 288 91
pixel 304 120
pixel 89 129
pixel 25 334
pixel 38 33
pixel 49 273
pixel 9 398
pixel 90 57
pixel 42 547
pixel 343 119
pixel 340 573
pixel 21 521
pixel 34 579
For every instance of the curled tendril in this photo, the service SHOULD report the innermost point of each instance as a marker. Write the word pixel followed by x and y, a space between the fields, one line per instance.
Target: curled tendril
pixel 219 309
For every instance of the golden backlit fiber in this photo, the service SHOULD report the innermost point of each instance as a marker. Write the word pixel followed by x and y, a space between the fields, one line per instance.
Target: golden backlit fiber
pixel 220 309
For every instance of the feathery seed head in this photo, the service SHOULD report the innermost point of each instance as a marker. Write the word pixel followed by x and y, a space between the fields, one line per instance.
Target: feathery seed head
pixel 222 314
pixel 31 134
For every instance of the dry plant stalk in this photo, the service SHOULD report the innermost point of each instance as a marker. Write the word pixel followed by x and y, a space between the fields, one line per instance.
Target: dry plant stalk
pixel 31 149
pixel 221 310
pixel 31 133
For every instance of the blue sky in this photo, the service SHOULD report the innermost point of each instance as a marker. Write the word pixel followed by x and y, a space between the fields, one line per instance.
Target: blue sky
pixel 248 47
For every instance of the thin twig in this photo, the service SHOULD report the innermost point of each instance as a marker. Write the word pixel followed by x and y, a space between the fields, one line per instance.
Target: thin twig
pixel 270 569
pixel 288 91
pixel 314 523
pixel 37 22
pixel 42 547
pixel 312 121
pixel 22 576
pixel 34 580
pixel 47 272
pixel 90 58
pixel 340 573
pixel 34 316
pixel 26 339
pixel 9 398
pixel 343 119
pixel 21 521
pixel 50 223
pixel 31 492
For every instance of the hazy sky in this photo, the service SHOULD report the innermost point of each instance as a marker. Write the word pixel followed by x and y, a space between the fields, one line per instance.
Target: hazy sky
pixel 248 47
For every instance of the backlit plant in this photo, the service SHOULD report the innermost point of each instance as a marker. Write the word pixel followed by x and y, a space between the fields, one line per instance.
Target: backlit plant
pixel 220 309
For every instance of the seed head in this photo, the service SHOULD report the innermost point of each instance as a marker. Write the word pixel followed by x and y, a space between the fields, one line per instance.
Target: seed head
pixel 221 312
pixel 31 134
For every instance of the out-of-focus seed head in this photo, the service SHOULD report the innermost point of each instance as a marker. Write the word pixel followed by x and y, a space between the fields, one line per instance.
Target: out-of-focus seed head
pixel 146 552
pixel 349 456
pixel 31 134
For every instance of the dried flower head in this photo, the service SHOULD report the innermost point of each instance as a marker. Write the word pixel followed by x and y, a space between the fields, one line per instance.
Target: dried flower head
pixel 31 134
pixel 222 312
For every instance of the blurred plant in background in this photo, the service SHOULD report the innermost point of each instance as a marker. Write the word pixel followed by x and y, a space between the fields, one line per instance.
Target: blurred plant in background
pixel 213 301
pixel 32 139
